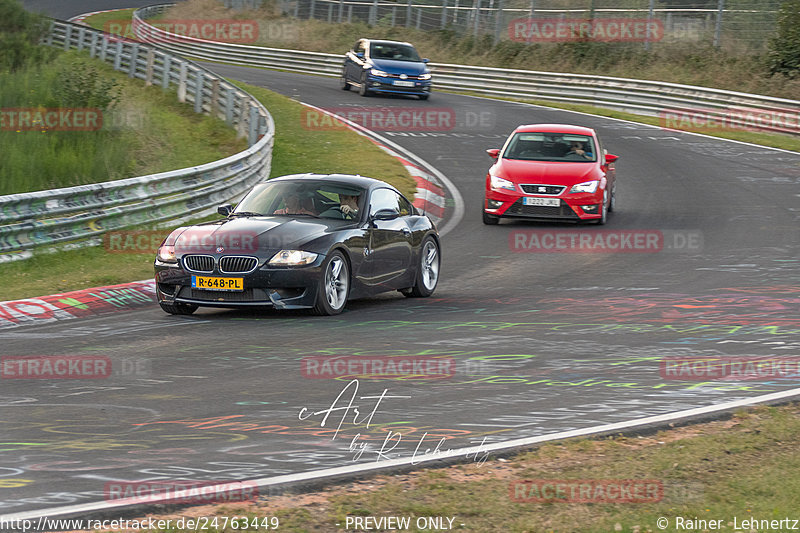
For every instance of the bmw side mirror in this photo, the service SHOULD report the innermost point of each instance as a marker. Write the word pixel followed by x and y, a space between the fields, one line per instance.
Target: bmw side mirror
pixel 425 60
pixel 225 210
pixel 360 55
pixel 385 214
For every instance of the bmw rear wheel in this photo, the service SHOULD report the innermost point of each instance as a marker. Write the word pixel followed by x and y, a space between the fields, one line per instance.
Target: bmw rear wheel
pixel 428 273
pixel 334 285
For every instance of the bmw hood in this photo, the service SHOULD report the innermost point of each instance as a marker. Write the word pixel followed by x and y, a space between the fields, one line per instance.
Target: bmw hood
pixel 249 235
pixel 409 68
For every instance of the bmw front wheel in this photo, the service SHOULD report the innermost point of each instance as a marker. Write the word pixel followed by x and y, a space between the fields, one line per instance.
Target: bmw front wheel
pixel 428 272
pixel 334 285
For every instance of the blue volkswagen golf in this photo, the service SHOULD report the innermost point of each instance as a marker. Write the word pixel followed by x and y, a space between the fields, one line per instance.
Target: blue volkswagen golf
pixel 386 67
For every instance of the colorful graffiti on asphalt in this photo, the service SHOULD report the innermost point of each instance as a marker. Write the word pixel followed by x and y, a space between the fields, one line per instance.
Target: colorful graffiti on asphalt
pixel 76 304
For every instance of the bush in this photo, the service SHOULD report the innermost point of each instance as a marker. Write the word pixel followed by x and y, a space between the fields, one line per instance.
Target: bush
pixel 785 46
pixel 82 85
pixel 20 32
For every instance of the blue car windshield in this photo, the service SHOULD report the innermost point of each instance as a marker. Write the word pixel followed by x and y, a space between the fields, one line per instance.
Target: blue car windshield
pixel 394 51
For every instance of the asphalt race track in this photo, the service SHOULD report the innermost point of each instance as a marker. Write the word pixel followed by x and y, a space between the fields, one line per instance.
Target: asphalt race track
pixel 541 341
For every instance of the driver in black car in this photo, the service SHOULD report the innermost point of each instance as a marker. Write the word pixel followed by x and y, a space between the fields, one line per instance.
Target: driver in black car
pixel 349 205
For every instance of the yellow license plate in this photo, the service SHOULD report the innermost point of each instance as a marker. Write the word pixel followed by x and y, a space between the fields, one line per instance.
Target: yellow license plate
pixel 217 284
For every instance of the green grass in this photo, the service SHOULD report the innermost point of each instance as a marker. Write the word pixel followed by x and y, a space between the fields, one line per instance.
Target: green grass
pixel 145 131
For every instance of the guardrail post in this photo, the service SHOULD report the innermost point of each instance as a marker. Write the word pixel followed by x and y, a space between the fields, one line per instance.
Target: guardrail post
pixel 67 37
pixel 215 107
pixel 350 13
pixel 182 82
pixel 330 13
pixel 443 22
pixel 104 48
pixel 252 137
pixel 394 15
pixel 49 39
pixel 408 14
pixel 134 60
pixel 93 45
pixel 118 56
pixel 148 73
pixel 81 36
pixel 311 9
pixel 373 12
pixel 477 17
pixel 229 94
pixel 718 24
pixel 341 9
pixel 199 81
pixel 242 123
pixel 498 21
pixel 419 17
pixel 166 71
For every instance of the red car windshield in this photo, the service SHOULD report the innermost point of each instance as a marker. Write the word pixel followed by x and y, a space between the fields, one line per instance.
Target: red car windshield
pixel 543 146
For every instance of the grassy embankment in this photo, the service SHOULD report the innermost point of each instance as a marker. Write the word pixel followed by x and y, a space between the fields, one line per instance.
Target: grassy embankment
pixel 733 67
pixel 161 134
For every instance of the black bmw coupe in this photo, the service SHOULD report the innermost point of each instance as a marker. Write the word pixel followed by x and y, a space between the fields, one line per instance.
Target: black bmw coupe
pixel 302 241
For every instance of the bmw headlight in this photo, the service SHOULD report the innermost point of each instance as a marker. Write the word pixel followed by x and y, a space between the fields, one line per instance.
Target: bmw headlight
pixel 166 254
pixel 500 183
pixel 292 258
pixel 425 76
pixel 586 186
pixel 379 73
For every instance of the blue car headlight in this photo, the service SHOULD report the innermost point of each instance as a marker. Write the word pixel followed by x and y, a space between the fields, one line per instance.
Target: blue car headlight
pixel 379 73
pixel 425 76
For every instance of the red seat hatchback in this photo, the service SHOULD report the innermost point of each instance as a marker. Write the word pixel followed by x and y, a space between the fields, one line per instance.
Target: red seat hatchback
pixel 550 171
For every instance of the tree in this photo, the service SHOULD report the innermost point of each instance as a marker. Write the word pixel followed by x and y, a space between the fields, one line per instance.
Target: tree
pixel 784 54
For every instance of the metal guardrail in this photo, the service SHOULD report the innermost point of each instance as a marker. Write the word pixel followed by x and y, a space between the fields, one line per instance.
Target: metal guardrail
pixel 650 98
pixel 79 216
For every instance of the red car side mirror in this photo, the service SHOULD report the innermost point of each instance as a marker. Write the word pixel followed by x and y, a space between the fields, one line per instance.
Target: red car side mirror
pixel 494 153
